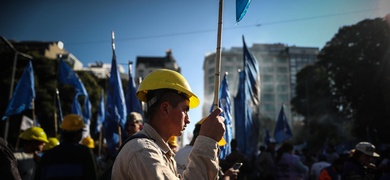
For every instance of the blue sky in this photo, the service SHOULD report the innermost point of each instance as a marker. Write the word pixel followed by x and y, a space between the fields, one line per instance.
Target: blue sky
pixel 189 28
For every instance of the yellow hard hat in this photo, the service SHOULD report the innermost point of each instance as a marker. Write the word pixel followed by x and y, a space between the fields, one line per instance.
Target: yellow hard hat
pixel 53 142
pixel 34 133
pixel 72 122
pixel 89 142
pixel 221 142
pixel 173 141
pixel 166 79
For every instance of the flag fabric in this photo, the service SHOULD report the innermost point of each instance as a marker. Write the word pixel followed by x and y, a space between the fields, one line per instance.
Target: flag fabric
pixel 67 76
pixel 225 104
pixel 246 103
pixel 282 129
pixel 26 123
pixel 115 107
pixel 267 137
pixel 100 115
pixel 241 8
pixel 132 102
pixel 23 95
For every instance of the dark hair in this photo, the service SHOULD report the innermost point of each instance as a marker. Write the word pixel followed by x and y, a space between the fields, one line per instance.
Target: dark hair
pixel 173 97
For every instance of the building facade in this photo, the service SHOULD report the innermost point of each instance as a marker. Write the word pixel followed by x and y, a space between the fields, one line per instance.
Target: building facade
pixel 279 65
pixel 146 64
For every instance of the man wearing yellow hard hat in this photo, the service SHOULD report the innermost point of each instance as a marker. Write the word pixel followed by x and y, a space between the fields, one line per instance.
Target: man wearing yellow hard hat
pixel 77 158
pixel 168 98
pixel 32 140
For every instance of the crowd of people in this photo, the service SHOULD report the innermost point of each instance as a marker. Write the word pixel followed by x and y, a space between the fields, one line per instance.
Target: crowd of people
pixel 155 153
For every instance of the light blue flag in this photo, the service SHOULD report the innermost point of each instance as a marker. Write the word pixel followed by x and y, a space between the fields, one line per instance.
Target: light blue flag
pixel 282 129
pixel 115 107
pixel 100 115
pixel 24 93
pixel 132 102
pixel 241 8
pixel 247 99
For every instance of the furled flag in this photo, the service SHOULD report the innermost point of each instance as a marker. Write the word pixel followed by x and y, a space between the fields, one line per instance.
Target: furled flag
pixel 132 102
pixel 246 104
pixel 115 106
pixel 267 137
pixel 100 114
pixel 241 8
pixel 67 76
pixel 282 129
pixel 23 95
pixel 224 103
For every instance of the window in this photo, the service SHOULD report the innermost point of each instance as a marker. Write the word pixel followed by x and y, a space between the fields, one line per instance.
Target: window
pixel 281 88
pixel 267 69
pixel 283 97
pixel 268 78
pixel 269 97
pixel 268 88
pixel 282 70
pixel 282 78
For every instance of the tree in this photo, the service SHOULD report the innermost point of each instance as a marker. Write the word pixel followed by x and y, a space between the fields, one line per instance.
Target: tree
pixel 351 79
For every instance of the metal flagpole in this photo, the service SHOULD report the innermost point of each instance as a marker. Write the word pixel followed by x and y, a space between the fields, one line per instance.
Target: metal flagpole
pixel 218 55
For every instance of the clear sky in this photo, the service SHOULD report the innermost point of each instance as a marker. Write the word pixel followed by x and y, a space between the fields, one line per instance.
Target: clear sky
pixel 188 28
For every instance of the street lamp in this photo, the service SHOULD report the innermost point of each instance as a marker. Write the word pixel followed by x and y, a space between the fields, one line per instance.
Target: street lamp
pixel 17 53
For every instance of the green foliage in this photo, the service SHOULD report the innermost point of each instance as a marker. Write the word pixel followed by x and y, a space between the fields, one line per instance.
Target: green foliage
pixel 345 94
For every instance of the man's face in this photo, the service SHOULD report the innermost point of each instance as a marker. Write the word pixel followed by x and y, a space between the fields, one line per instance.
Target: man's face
pixel 179 118
pixel 133 127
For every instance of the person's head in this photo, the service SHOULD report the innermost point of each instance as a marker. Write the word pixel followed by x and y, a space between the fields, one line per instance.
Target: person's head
pixel 196 131
pixel 89 142
pixel 168 97
pixel 172 142
pixel 364 152
pixel 271 144
pixel 53 142
pixel 34 139
pixel 72 128
pixel 133 123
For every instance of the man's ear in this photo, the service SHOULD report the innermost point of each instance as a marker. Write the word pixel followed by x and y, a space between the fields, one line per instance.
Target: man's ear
pixel 164 107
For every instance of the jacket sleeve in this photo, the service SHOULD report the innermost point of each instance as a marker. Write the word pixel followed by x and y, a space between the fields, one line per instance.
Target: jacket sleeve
pixel 203 160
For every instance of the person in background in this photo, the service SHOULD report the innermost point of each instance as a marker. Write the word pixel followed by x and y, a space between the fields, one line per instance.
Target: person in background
pixel 265 162
pixel 70 159
pixel 172 142
pixel 182 159
pixel 169 98
pixel 133 124
pixel 334 171
pixel 289 166
pixel 53 142
pixel 316 167
pixel 32 140
pixel 89 142
pixel 8 165
pixel 359 165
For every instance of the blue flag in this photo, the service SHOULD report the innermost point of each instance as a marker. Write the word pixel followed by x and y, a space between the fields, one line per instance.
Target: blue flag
pixel 267 137
pixel 115 107
pixel 225 103
pixel 132 102
pixel 24 93
pixel 241 8
pixel 67 76
pixel 246 104
pixel 282 129
pixel 100 115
